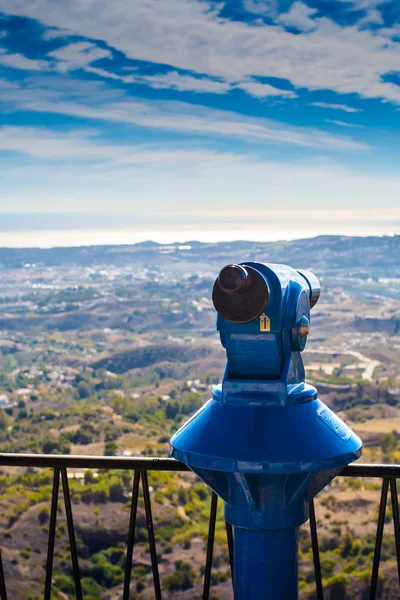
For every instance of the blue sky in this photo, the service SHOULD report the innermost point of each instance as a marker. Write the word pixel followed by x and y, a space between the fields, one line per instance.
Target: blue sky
pixel 200 111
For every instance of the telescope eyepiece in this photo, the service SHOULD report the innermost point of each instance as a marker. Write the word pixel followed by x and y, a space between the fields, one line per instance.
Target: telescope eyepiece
pixel 233 278
pixel 240 294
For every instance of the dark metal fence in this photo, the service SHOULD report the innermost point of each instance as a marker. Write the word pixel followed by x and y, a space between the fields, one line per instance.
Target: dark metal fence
pixel 140 467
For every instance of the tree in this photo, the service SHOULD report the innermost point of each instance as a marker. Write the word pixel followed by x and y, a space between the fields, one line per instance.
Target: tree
pixel 84 390
pixel 56 446
pixel 110 448
pixel 4 420
pixel 171 409
pixel 388 442
pixel 84 435
pixel 116 489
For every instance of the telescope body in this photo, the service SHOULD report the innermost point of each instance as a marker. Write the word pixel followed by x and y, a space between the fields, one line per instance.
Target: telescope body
pixel 264 442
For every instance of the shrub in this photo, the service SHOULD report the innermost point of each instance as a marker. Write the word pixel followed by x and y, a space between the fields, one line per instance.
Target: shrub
pixel 183 578
pixel 337 586
pixel 105 573
pixel 91 589
pixel 64 583
pixel 327 566
pixel 44 515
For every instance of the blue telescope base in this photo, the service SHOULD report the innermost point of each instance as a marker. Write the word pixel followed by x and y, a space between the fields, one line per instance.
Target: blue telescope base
pixel 265 564
pixel 266 462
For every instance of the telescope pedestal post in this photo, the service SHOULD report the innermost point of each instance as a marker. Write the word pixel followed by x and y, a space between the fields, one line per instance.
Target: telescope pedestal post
pixel 266 564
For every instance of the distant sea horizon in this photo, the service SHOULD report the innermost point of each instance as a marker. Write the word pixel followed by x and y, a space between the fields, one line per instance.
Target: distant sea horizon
pixel 72 230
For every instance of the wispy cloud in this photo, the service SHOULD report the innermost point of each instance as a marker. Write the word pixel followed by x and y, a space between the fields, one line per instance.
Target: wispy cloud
pixel 77 56
pixel 102 73
pixel 299 17
pixel 261 7
pixel 78 101
pixel 344 124
pixel 348 109
pixel 18 61
pixel 262 90
pixel 82 55
pixel 87 144
pixel 205 181
pixel 176 81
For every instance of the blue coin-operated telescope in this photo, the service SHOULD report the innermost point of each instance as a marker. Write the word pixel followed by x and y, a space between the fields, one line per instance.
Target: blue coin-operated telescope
pixel 264 442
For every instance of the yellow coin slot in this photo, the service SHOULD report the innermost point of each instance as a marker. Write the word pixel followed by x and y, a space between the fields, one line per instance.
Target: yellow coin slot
pixel 265 323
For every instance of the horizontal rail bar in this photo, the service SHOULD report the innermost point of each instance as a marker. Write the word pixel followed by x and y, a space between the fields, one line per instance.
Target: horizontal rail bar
pixel 70 461
pixel 369 470
pixel 91 462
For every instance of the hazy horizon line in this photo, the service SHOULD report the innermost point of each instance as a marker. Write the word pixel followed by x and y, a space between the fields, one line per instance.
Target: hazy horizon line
pixel 49 240
pixel 47 230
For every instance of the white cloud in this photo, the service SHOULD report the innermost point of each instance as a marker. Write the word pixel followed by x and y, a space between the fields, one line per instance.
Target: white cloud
pixel 261 7
pixel 187 83
pixel 190 36
pixel 69 58
pixel 45 143
pixel 182 117
pixel 18 61
pixel 299 17
pixel 86 99
pixel 54 33
pixel 344 107
pixel 343 123
pixel 109 75
pixel 372 14
pixel 75 145
pixel 390 32
pixel 77 56
pixel 262 90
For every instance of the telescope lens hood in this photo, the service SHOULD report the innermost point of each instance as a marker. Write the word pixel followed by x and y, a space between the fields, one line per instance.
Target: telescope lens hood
pixel 240 294
pixel 313 284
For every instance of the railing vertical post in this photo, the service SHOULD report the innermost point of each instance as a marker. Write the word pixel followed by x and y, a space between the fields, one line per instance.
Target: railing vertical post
pixel 52 534
pixel 71 534
pixel 315 551
pixel 131 535
pixel 210 546
pixel 378 539
pixel 396 521
pixel 3 591
pixel 150 531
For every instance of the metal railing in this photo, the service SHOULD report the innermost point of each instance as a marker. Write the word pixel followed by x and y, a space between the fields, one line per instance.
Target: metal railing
pixel 140 467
